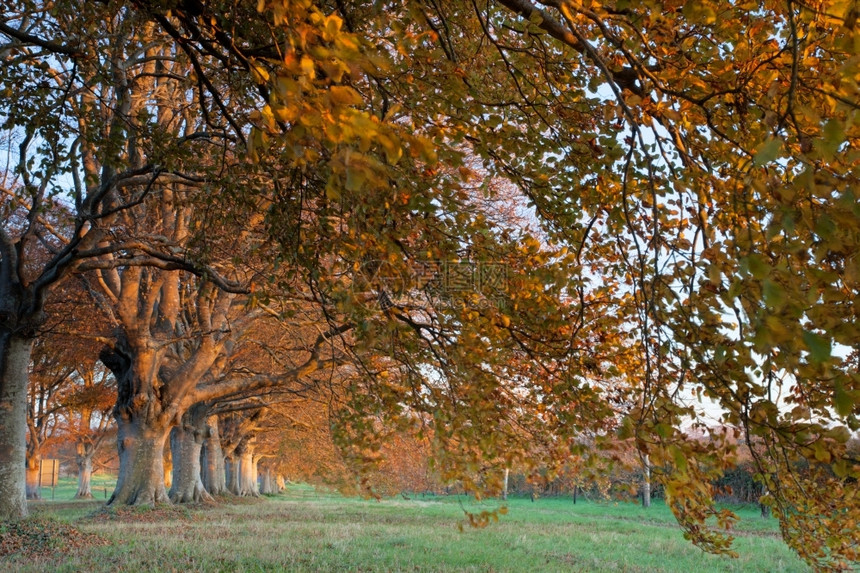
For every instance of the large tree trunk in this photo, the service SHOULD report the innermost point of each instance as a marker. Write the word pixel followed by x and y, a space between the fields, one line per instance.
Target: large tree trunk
pixel 14 362
pixel 212 460
pixel 186 441
pixel 243 482
pixel 141 464
pixel 34 466
pixel 84 460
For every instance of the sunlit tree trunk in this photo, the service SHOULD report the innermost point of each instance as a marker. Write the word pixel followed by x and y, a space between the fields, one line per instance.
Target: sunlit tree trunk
pixel 141 464
pixel 84 461
pixel 168 469
pixel 255 475
pixel 14 363
pixel 505 490
pixel 243 479
pixel 34 465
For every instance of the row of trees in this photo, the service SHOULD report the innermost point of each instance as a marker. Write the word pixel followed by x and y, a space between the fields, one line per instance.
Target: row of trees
pixel 302 198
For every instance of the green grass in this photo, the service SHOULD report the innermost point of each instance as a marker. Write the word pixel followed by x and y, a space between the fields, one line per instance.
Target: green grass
pixel 101 485
pixel 303 530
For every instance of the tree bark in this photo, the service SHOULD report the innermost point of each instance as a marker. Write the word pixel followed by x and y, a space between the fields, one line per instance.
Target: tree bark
pixel 212 460
pixel 141 464
pixel 282 484
pixel 505 490
pixel 34 466
pixel 255 475
pixel 233 474
pixel 186 441
pixel 14 362
pixel 84 460
pixel 168 469
pixel 646 481
pixel 243 481
pixel 267 485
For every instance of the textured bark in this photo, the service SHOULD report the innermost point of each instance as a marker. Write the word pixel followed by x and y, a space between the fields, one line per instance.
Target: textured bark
pixel 282 484
pixel 34 465
pixel 14 361
pixel 243 479
pixel 254 475
pixel 233 474
pixel 267 482
pixel 84 461
pixel 141 465
pixel 213 471
pixel 168 469
pixel 186 441
pixel 505 489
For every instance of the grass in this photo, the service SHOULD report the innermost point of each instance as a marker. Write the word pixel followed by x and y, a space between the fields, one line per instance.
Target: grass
pixel 303 530
pixel 101 486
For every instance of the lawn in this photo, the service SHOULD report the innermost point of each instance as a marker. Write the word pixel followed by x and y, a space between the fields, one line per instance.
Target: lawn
pixel 303 530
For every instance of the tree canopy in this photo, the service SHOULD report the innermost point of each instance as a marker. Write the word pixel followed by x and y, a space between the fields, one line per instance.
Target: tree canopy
pixel 536 229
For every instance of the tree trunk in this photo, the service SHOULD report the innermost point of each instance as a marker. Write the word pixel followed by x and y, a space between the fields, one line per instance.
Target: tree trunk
pixel 233 474
pixel 505 490
pixel 141 465
pixel 186 441
pixel 282 484
pixel 14 364
pixel 84 459
pixel 212 460
pixel 168 469
pixel 34 466
pixel 244 472
pixel 268 484
pixel 646 481
pixel 255 475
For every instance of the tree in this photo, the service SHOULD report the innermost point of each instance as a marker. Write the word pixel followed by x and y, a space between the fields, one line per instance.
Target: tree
pixel 79 161
pixel 700 160
pixel 692 167
pixel 49 374
pixel 87 407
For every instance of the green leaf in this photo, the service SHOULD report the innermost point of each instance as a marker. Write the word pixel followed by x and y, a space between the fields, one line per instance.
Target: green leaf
pixel 833 136
pixel 773 293
pixel 819 347
pixel 355 178
pixel 679 458
pixel 767 151
pixel 842 400
pixel 700 12
pixel 756 265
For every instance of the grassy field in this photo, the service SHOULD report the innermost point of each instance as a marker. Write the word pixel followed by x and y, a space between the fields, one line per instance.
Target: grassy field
pixel 302 530
pixel 101 485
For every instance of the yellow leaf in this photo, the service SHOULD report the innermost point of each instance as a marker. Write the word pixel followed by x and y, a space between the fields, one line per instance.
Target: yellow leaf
pixel 259 73
pixel 344 95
